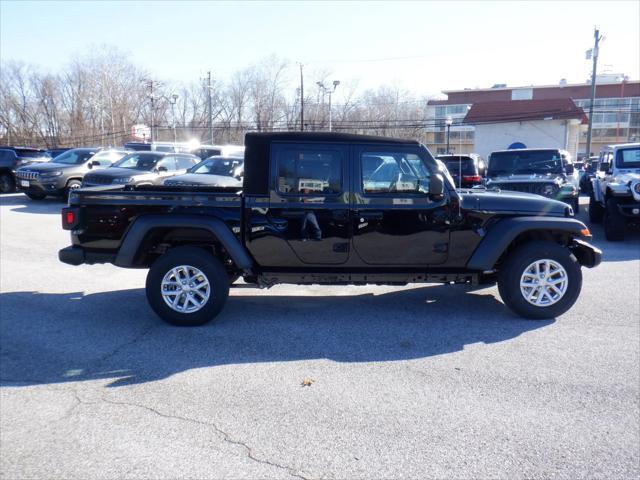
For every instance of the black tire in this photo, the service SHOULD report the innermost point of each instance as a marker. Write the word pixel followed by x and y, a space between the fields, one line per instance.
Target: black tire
pixel 596 211
pixel 207 264
pixel 514 267
pixel 72 185
pixel 36 196
pixel 7 183
pixel 614 222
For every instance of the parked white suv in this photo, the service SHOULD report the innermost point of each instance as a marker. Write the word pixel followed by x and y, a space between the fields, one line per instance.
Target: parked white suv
pixel 615 196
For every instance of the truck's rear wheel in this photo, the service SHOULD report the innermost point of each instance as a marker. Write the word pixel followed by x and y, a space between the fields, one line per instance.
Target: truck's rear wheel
pixel 540 280
pixel 187 286
pixel 614 222
pixel 595 209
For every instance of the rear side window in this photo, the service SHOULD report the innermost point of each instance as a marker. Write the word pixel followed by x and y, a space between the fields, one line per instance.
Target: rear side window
pixel 464 163
pixel 308 170
pixel 169 162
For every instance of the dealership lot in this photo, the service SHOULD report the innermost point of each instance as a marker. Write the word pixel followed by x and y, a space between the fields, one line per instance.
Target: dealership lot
pixel 418 381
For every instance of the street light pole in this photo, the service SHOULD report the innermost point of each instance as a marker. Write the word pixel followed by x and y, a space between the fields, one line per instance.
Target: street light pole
pixel 594 55
pixel 210 112
pixel 329 92
pixel 448 123
pixel 301 99
pixel 174 99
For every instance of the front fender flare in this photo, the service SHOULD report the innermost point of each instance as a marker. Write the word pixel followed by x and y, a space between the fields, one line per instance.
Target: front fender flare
pixel 142 225
pixel 501 234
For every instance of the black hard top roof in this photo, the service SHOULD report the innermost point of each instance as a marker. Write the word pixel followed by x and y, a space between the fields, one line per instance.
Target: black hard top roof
pixel 326 137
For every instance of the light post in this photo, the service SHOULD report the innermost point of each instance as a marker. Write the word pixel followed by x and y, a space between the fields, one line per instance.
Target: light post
pixel 329 91
pixel 174 99
pixel 448 123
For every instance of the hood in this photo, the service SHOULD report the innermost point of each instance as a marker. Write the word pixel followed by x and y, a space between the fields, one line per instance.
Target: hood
pixel 115 172
pixel 625 175
pixel 528 178
pixel 204 179
pixel 512 202
pixel 47 167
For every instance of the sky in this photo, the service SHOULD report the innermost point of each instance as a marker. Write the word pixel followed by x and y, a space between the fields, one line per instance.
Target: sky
pixel 424 47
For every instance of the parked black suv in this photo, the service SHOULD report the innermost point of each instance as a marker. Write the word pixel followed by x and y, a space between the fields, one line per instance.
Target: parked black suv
pixel 544 171
pixel 142 168
pixel 9 162
pixel 308 214
pixel 467 170
pixel 64 173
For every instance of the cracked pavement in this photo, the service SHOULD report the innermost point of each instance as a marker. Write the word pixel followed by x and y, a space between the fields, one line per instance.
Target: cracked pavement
pixel 408 382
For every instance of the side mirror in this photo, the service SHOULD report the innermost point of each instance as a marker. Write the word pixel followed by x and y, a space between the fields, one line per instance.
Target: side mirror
pixel 604 167
pixel 162 169
pixel 436 186
pixel 93 163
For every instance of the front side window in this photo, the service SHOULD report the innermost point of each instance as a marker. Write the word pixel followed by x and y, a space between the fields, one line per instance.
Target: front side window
pixel 393 172
pixel 308 170
pixel 628 158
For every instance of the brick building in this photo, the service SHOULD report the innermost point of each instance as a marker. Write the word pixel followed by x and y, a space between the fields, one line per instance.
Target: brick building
pixel 616 112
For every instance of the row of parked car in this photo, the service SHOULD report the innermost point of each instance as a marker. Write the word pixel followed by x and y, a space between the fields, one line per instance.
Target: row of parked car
pixel 611 179
pixel 134 164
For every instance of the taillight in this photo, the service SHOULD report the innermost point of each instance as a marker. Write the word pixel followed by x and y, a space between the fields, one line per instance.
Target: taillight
pixel 472 178
pixel 70 218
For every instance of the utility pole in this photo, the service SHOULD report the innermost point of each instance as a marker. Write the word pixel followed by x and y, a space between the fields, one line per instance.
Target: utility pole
pixel 301 99
pixel 153 110
pixel 594 56
pixel 330 92
pixel 210 110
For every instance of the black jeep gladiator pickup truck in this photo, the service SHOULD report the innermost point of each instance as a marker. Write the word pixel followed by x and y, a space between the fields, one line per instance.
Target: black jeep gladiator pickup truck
pixel 330 208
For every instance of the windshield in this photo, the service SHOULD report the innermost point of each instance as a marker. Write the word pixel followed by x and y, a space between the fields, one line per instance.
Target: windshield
pixel 523 162
pixel 227 167
pixel 139 161
pixel 73 157
pixel 628 158
pixel 454 165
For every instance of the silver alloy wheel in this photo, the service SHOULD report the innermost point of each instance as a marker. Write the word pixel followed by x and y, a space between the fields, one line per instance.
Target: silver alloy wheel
pixel 73 186
pixel 544 282
pixel 185 289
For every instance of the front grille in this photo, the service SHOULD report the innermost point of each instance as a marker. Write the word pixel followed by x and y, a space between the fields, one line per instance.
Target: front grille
pixel 27 175
pixel 537 188
pixel 98 180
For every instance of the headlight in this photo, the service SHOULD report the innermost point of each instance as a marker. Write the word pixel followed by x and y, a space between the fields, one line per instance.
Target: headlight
pixel 123 180
pixel 548 190
pixel 636 188
pixel 50 174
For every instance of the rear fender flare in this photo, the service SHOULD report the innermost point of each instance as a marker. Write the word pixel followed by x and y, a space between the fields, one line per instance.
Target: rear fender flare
pixel 505 231
pixel 137 232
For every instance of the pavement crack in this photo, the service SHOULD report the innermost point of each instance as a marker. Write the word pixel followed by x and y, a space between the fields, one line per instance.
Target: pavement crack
pixel 225 436
pixel 122 346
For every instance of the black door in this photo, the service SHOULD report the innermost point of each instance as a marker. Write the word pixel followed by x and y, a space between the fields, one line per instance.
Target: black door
pixel 394 220
pixel 309 207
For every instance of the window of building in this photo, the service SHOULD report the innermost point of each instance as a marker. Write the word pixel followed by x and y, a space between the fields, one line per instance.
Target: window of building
pixel 522 94
pixel 308 170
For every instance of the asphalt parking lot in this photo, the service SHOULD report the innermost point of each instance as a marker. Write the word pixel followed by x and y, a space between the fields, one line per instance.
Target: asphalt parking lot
pixel 412 382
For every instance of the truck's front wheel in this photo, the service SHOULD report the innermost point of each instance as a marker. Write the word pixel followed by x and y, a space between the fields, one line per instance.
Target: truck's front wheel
pixel 540 280
pixel 187 286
